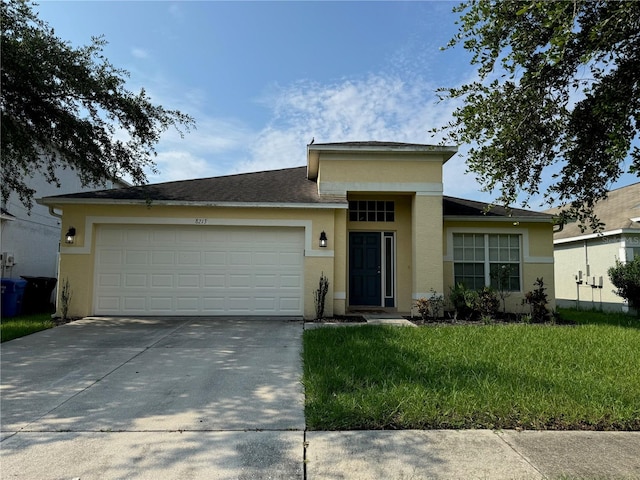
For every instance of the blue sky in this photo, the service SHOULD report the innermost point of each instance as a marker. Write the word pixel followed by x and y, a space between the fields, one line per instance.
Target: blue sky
pixel 262 78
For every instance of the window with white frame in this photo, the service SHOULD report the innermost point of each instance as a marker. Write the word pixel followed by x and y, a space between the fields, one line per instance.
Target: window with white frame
pixel 487 259
pixel 371 211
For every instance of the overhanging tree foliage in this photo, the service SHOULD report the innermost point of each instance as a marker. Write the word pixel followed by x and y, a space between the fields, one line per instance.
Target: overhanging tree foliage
pixel 68 107
pixel 557 98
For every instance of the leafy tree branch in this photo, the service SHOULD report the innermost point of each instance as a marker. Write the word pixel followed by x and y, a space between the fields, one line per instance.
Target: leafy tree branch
pixel 558 90
pixel 68 107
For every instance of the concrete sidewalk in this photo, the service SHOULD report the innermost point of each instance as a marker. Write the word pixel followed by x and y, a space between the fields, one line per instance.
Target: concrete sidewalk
pixel 472 454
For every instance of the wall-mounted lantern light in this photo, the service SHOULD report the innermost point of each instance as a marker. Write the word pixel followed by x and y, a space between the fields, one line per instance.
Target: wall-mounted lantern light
pixel 70 236
pixel 323 239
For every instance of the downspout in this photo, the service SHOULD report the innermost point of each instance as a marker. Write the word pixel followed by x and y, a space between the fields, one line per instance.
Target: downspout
pixel 53 213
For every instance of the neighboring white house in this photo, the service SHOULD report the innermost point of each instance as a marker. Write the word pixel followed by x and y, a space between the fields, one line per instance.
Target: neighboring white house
pixel 583 259
pixel 29 241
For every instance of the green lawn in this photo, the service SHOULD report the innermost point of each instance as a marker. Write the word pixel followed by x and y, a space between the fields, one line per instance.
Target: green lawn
pixel 22 325
pixel 584 376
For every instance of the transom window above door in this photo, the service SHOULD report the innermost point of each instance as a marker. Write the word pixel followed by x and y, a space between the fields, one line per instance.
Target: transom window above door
pixel 371 211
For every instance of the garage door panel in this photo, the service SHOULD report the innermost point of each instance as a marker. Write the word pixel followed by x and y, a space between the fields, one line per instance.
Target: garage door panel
pixel 137 237
pixel 162 236
pixel 163 258
pixel 106 280
pixel 198 270
pixel 110 257
pixel 188 281
pixel 133 280
pixel 265 259
pixel 187 304
pixel 162 280
pixel 137 257
pixel 189 258
pixel 240 281
pixel 162 304
pixel 133 304
pixel 266 280
pixel 109 304
pixel 290 281
pixel 215 259
pixel 239 258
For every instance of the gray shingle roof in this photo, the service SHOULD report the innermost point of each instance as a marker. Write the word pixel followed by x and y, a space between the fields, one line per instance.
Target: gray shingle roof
pixel 289 185
pixel 616 212
pixel 285 186
pixel 460 207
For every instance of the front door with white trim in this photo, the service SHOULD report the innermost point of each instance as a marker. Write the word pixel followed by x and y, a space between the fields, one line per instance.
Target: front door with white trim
pixel 372 269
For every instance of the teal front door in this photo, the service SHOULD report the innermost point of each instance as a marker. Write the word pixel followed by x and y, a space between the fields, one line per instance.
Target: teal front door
pixel 365 269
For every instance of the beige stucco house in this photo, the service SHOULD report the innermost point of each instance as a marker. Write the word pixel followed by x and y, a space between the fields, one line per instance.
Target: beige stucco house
pixel 370 216
pixel 583 259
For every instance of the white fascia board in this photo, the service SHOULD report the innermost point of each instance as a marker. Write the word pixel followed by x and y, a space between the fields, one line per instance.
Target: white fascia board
pixel 447 151
pixel 173 203
pixel 484 218
pixel 595 235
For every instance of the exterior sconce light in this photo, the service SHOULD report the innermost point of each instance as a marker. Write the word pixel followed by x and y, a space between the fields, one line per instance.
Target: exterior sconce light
pixel 70 236
pixel 323 239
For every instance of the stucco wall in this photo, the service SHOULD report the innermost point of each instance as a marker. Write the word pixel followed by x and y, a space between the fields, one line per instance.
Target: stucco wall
pixel 536 256
pixel 379 168
pixel 78 260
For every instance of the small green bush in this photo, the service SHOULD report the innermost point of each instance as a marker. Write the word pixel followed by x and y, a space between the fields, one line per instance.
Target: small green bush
pixel 626 278
pixel 488 303
pixel 430 308
pixel 538 301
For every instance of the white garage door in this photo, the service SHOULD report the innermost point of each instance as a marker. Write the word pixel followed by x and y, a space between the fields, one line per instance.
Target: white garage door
pixel 198 270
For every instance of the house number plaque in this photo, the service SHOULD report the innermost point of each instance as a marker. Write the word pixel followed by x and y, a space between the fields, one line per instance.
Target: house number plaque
pixel 201 221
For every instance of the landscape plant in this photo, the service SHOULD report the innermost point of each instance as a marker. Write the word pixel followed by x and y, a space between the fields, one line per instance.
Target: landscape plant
pixel 430 308
pixel 537 300
pixel 463 301
pixel 319 296
pixel 65 299
pixel 487 302
pixel 626 278
pixel 501 278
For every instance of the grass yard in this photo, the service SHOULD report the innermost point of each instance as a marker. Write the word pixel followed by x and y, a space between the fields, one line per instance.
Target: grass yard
pixel 583 376
pixel 22 325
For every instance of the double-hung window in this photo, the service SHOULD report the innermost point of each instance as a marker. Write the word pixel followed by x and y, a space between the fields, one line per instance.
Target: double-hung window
pixel 486 259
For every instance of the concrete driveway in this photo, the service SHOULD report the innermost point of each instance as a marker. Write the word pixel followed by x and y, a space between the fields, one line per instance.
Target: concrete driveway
pixel 154 398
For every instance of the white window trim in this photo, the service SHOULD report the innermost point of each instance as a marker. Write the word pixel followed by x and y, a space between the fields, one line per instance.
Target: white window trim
pixel 487 262
pixel 525 257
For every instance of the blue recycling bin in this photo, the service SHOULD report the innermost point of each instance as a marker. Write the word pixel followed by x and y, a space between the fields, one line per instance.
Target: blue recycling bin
pixel 12 293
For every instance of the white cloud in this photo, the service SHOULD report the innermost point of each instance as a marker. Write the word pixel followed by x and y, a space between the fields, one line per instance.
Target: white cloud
pixel 139 53
pixel 181 165
pixel 376 107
